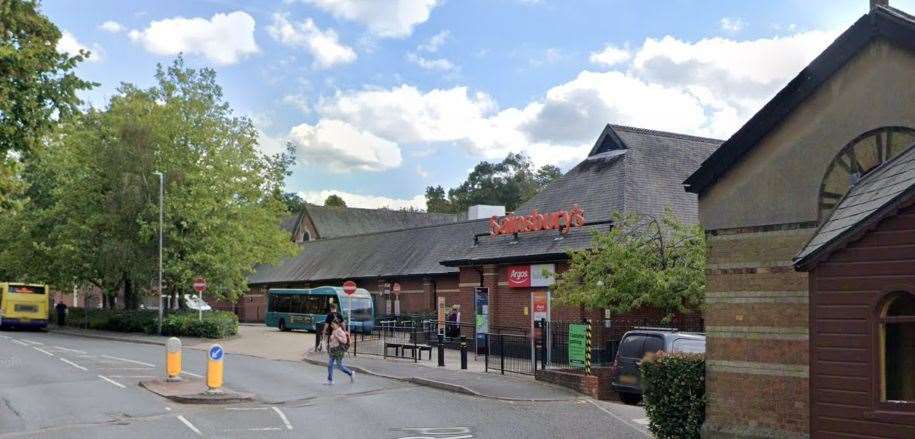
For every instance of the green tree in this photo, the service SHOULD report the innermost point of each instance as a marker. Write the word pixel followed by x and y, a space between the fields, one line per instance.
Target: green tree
pixel 334 200
pixel 37 89
pixel 100 213
pixel 293 202
pixel 508 183
pixel 641 262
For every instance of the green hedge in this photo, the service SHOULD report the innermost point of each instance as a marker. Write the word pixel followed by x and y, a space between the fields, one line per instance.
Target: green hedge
pixel 674 394
pixel 215 324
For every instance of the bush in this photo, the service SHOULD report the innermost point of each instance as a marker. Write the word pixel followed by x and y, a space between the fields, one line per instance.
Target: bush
pixel 674 394
pixel 215 324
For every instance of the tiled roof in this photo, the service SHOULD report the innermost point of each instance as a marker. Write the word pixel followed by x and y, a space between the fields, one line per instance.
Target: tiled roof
pixel 876 196
pixel 333 222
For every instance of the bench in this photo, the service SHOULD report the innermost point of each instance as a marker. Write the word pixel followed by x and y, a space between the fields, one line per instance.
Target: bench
pixel 395 346
pixel 413 348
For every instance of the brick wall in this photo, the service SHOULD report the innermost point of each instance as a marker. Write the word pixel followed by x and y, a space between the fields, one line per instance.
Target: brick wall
pixel 596 385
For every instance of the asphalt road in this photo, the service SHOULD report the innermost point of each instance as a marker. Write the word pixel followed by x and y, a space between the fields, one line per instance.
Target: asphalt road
pixel 59 386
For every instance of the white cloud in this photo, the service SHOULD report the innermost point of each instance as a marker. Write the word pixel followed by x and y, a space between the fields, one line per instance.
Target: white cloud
pixel 223 39
pixel 430 64
pixel 112 27
pixel 299 101
pixel 342 147
pixel 610 56
pixel 435 42
pixel 422 172
pixel 387 19
pixel 70 45
pixel 366 201
pixel 731 24
pixel 324 45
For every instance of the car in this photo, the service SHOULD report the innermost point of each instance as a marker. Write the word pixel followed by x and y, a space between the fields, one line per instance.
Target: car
pixel 625 378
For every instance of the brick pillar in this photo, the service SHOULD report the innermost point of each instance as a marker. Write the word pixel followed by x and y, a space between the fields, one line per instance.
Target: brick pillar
pixel 428 294
pixel 491 281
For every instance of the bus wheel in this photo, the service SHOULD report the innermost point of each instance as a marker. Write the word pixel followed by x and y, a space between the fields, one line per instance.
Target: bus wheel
pixel 282 325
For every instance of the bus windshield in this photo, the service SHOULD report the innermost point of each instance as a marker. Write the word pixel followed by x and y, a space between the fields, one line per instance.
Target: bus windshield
pixel 26 289
pixel 362 308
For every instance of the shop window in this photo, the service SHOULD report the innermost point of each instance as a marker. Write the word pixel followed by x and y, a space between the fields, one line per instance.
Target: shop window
pixel 897 348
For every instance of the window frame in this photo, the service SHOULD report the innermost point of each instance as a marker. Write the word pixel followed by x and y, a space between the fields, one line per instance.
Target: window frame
pixel 884 409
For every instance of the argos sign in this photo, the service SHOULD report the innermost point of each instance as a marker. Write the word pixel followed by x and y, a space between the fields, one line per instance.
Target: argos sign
pixel 526 276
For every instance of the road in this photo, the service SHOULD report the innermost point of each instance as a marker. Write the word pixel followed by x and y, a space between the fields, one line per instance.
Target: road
pixel 60 386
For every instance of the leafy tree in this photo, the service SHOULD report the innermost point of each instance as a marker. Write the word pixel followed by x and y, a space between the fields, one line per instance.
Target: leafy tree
pixel 641 262
pixel 334 200
pixel 37 88
pixel 508 183
pixel 97 219
pixel 294 203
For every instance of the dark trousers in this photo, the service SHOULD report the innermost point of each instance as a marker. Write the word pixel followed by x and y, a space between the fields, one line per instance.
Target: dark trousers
pixel 61 318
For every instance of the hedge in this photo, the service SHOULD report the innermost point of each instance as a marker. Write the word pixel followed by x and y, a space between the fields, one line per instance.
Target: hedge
pixel 215 324
pixel 674 394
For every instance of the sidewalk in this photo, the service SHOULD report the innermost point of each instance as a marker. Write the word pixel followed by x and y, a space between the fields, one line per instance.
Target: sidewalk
pixel 509 387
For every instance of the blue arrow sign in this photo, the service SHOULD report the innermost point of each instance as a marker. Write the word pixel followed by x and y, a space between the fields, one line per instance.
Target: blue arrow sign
pixel 216 352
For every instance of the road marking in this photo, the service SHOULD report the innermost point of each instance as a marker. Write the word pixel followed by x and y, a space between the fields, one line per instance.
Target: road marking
pixel 617 417
pixel 255 429
pixel 641 421
pixel 42 351
pixel 75 351
pixel 247 408
pixel 112 381
pixel 192 374
pixel 34 342
pixel 72 363
pixel 189 425
pixel 131 376
pixel 129 361
pixel 283 417
pixel 19 342
pixel 5 336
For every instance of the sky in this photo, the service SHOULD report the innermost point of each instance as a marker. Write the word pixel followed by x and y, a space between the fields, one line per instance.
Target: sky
pixel 383 98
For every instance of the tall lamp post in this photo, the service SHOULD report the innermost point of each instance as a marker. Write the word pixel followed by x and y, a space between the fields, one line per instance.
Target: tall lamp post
pixel 161 197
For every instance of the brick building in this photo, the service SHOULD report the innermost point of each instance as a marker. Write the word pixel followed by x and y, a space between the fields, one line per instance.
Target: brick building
pixel 777 187
pixel 444 264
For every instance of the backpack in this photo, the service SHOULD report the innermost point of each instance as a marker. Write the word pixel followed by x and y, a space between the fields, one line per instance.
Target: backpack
pixel 341 348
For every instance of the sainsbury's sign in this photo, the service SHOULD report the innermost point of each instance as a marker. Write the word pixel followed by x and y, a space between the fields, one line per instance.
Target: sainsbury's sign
pixel 562 220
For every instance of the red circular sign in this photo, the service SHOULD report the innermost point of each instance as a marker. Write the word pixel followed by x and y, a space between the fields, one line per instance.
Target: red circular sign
pixel 349 287
pixel 200 284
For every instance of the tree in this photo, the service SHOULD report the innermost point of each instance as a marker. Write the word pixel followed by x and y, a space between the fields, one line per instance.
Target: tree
pixel 508 183
pixel 641 262
pixel 293 202
pixel 334 200
pixel 37 89
pixel 97 222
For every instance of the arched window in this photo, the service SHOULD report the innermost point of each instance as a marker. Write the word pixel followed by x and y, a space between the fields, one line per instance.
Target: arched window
pixel 897 348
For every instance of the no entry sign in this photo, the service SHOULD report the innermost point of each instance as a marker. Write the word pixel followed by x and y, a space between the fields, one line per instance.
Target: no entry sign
pixel 395 288
pixel 349 287
pixel 200 285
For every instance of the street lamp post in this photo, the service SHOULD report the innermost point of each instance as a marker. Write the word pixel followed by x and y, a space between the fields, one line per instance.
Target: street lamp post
pixel 161 197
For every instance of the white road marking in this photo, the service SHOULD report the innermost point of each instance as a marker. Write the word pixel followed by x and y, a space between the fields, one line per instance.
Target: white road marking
pixel 283 417
pixel 112 381
pixel 189 425
pixel 131 376
pixel 129 361
pixel 255 429
pixel 75 351
pixel 19 342
pixel 247 408
pixel 122 368
pixel 5 336
pixel 168 409
pixel 641 421
pixel 72 364
pixel 34 342
pixel 617 417
pixel 192 374
pixel 42 351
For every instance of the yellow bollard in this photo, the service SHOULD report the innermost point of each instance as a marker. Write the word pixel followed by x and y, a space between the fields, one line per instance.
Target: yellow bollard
pixel 173 359
pixel 214 368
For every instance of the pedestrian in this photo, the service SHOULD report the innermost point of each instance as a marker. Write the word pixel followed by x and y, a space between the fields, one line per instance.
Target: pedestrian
pixel 61 309
pixel 332 316
pixel 336 348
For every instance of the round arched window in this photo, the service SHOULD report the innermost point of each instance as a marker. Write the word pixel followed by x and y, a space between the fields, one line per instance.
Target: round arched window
pixel 897 348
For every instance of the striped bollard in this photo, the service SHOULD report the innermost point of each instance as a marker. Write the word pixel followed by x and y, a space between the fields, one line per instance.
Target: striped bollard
pixel 588 349
pixel 173 359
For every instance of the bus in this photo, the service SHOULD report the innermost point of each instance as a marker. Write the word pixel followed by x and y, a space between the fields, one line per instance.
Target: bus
pixel 23 305
pixel 305 308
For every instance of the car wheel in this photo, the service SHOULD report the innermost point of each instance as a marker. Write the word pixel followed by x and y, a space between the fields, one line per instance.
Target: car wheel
pixel 282 325
pixel 630 398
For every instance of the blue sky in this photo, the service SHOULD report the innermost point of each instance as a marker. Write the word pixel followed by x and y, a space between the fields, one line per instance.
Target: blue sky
pixel 383 98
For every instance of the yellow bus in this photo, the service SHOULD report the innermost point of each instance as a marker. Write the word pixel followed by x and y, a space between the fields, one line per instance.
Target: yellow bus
pixel 23 305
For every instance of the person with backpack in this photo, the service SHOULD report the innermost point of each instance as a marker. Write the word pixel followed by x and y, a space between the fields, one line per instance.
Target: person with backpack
pixel 337 346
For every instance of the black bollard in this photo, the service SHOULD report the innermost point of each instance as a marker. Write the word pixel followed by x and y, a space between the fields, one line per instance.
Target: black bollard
pixel 441 350
pixel 463 352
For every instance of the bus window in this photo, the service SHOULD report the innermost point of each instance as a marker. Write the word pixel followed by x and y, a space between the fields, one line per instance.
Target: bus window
pixel 362 309
pixel 24 289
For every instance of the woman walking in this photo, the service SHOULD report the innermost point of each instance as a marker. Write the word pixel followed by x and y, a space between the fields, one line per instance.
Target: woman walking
pixel 337 345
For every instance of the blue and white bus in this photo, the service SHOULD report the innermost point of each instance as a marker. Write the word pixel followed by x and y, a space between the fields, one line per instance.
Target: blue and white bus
pixel 305 308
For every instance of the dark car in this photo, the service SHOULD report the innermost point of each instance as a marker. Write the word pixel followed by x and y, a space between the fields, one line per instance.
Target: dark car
pixel 625 376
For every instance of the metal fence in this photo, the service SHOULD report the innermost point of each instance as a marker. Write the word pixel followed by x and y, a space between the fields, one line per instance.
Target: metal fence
pixel 412 339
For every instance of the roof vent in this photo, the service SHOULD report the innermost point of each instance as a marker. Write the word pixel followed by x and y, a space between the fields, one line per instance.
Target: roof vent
pixel 482 211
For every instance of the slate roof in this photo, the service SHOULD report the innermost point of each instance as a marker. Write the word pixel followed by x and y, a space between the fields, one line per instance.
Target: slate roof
pixel 877 196
pixel 291 222
pixel 882 22
pixel 628 170
pixel 333 222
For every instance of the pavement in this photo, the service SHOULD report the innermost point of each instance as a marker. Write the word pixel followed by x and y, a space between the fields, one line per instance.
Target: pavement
pixel 56 385
pixel 269 343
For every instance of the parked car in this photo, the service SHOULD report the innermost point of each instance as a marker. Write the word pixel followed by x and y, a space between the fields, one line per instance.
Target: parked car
pixel 625 376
